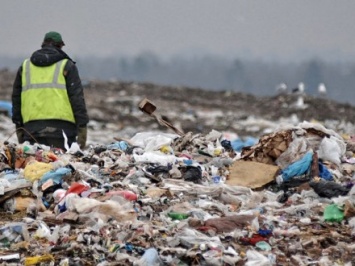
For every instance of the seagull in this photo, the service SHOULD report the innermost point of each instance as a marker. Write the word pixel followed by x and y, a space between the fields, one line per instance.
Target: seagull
pixel 281 88
pixel 299 89
pixel 322 90
pixel 300 103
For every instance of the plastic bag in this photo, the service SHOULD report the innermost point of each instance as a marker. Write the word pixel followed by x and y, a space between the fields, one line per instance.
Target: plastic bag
pixel 238 144
pixel 256 259
pixel 296 149
pixel 38 259
pixel 331 149
pixel 11 231
pixel 333 213
pixel 55 175
pixel 324 172
pixel 151 141
pixel 192 174
pixel 298 168
pixel 328 189
pixel 35 170
pixel 6 105
pixel 352 225
pixel 119 145
pixel 155 157
pixel 149 258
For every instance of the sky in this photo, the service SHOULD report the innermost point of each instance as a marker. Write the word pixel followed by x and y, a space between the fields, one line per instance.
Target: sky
pixel 278 30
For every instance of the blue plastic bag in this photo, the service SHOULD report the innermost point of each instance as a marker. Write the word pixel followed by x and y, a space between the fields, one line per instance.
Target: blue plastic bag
pixel 119 145
pixel 7 106
pixel 55 175
pixel 324 172
pixel 298 168
pixel 239 144
pixel 151 257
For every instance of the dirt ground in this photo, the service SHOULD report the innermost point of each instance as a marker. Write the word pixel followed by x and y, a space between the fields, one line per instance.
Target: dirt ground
pixel 194 109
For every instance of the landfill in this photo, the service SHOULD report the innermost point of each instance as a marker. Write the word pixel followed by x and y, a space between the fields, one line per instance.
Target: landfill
pixel 280 195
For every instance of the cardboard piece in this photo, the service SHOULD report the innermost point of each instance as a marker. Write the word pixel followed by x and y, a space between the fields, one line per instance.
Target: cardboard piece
pixel 269 148
pixel 251 174
pixel 22 203
pixel 148 107
pixel 349 209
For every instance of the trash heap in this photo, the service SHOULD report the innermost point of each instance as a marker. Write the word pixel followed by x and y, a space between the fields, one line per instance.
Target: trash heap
pixel 166 199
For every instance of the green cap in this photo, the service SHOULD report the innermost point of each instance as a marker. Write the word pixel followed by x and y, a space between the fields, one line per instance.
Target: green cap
pixel 55 36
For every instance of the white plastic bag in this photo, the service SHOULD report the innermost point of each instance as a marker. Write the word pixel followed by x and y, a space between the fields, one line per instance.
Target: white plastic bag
pixel 155 157
pixel 331 149
pixel 257 259
pixel 152 141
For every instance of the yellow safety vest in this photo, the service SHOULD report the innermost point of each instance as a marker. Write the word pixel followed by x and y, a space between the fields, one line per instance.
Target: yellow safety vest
pixel 44 93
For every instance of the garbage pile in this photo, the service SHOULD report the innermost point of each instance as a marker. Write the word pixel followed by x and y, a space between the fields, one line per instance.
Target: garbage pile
pixel 165 199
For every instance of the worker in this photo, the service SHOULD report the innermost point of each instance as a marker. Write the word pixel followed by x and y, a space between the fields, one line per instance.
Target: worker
pixel 48 104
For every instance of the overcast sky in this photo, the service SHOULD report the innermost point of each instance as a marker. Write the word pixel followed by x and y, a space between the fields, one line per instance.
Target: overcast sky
pixel 271 29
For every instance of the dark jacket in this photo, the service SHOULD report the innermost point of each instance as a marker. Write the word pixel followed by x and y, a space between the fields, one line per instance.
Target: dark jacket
pixel 47 56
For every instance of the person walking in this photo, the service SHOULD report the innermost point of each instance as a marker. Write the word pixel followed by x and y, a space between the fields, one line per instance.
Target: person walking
pixel 48 98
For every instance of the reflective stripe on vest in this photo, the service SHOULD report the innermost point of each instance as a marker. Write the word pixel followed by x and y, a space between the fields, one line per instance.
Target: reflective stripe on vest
pixel 44 94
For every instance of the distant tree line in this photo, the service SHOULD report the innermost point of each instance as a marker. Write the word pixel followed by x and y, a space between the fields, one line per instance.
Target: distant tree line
pixel 252 76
